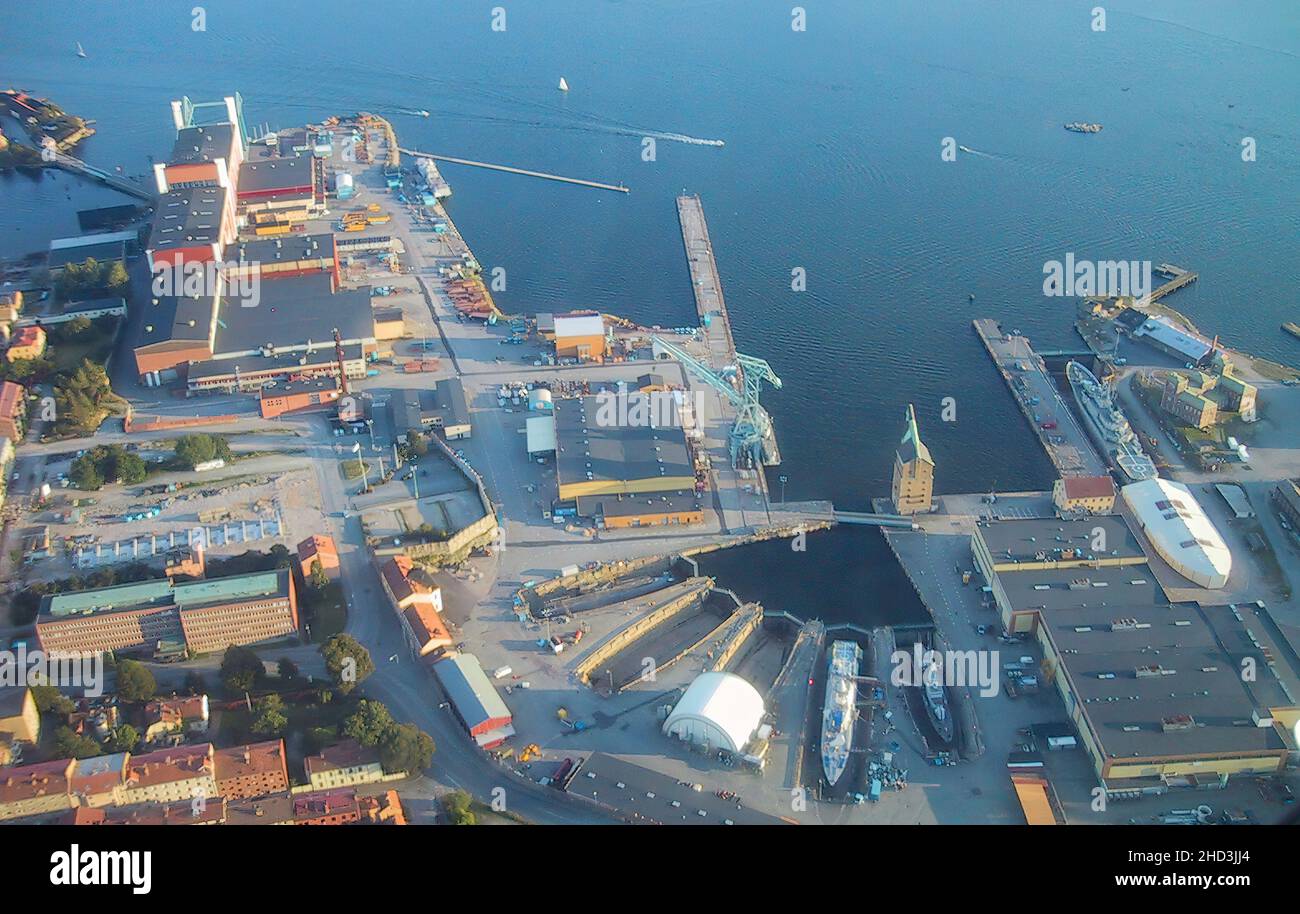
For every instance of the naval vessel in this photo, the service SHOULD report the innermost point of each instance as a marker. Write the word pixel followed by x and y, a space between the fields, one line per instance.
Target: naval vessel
pixel 1107 426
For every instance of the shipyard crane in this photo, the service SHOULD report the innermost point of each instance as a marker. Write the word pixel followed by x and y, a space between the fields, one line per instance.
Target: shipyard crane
pixel 752 434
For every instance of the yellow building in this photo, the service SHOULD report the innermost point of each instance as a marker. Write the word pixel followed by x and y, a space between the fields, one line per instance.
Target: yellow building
pixel 26 343
pixel 1090 494
pixel 913 485
pixel 18 715
pixel 345 764
pixel 580 336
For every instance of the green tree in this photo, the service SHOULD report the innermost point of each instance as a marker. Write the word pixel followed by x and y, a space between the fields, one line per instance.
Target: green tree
pixel 117 276
pixel 77 326
pixel 369 723
pixel 85 473
pixel 49 700
pixel 240 669
pixel 287 668
pixel 268 716
pixel 347 662
pixel 191 450
pixel 319 579
pixel 70 744
pixel 458 806
pixel 134 681
pixel 82 400
pixel 123 739
pixel 407 748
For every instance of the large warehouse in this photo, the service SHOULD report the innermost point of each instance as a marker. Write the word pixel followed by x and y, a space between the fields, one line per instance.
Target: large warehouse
pixel 294 315
pixel 618 459
pixel 1179 531
pixel 718 711
pixel 1151 686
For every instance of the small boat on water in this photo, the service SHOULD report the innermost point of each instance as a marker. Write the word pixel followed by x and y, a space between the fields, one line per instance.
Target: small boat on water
pixel 1292 328
pixel 564 85
pixel 81 52
pixel 1081 127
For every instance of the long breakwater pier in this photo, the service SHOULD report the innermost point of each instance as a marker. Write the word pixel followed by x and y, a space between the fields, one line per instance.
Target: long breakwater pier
pixel 510 169
pixel 1177 278
pixel 705 282
pixel 1059 431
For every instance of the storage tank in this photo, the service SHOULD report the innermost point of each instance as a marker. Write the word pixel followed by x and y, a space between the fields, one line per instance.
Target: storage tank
pixel 539 398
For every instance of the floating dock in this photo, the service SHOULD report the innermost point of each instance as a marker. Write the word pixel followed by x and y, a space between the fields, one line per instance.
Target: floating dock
pixel 1064 439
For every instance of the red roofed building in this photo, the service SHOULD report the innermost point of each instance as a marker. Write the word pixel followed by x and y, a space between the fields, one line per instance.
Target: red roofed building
pixel 317 548
pixel 13 411
pixel 254 770
pixel 417 603
pixel 406 586
pixel 344 764
pixel 26 343
pixel 32 789
pixel 327 807
pixel 181 773
pixel 1091 494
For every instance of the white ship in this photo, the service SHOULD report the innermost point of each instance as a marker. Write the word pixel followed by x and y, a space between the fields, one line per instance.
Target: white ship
pixel 936 702
pixel 840 709
pixel 1107 425
pixel 564 84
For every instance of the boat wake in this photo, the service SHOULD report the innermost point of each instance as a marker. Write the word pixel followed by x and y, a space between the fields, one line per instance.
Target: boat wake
pixel 980 152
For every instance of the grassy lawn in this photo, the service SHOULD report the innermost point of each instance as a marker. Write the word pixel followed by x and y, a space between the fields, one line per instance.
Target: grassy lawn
pixel 95 344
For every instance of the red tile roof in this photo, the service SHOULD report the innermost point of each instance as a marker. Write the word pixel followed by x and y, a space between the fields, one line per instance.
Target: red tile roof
pixel 11 400
pixel 32 781
pixel 253 759
pixel 347 754
pixel 167 765
pixel 1089 486
pixel 397 575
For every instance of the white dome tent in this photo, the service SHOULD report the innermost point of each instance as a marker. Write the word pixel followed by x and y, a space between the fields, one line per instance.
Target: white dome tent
pixel 719 710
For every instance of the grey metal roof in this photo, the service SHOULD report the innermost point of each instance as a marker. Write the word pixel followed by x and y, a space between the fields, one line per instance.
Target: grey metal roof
pixel 292 311
pixel 202 144
pixel 469 689
pixel 614 452
pixel 188 216
pixel 1023 538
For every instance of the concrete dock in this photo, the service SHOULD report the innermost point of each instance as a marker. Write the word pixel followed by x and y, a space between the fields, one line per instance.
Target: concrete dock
pixel 1065 440
pixel 705 282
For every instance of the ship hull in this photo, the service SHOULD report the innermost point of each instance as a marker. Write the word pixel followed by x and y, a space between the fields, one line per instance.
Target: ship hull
pixel 840 709
pixel 1133 467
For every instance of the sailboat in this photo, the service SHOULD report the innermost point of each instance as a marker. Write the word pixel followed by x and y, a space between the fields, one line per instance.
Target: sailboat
pixel 81 52
pixel 564 85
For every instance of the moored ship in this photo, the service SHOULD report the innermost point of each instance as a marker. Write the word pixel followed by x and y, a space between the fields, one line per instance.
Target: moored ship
pixel 936 700
pixel 840 710
pixel 1082 127
pixel 1107 426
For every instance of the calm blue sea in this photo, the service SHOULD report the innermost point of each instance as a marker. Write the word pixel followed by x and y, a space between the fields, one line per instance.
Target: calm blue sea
pixel 832 163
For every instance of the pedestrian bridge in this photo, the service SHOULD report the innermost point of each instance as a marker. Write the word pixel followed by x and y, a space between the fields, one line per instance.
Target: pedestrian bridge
pixel 873 520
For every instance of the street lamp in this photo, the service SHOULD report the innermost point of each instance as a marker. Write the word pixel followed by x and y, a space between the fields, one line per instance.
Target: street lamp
pixel 782 479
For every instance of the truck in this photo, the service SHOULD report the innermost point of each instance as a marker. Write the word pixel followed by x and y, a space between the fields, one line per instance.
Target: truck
pixel 205 465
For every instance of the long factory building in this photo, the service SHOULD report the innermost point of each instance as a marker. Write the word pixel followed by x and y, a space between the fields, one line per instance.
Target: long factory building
pixel 1153 687
pixel 203 615
pixel 217 335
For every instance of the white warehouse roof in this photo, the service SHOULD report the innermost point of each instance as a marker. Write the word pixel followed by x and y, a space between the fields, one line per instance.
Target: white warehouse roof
pixel 1182 535
pixel 579 325
pixel 1163 331
pixel 720 708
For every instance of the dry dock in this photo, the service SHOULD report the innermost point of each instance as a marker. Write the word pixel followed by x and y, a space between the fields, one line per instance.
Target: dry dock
pixel 1065 440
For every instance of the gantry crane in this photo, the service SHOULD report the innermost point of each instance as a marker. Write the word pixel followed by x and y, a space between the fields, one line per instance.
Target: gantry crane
pixel 752 440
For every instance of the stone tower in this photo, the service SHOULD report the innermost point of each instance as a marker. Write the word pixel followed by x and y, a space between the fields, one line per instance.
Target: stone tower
pixel 913 483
